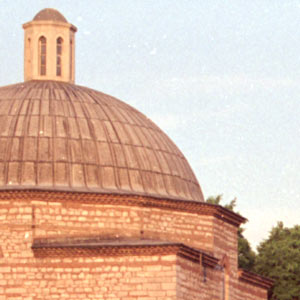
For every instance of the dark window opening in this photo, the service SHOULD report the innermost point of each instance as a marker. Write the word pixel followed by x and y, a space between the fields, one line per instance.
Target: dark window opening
pixel 59 43
pixel 42 55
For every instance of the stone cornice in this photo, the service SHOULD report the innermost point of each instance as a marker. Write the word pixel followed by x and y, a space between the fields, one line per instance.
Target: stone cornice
pixel 255 279
pixel 44 248
pixel 46 22
pixel 196 207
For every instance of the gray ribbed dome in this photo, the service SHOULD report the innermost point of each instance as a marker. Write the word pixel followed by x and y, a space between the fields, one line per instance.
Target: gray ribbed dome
pixel 50 14
pixel 60 136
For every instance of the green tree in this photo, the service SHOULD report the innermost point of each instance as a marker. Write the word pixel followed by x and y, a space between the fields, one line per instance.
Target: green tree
pixel 246 257
pixel 279 259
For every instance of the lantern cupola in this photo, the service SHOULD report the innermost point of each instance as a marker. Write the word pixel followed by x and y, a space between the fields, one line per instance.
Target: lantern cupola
pixel 49 47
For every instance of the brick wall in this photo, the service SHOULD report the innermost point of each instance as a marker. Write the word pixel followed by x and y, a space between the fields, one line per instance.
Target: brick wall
pixel 250 292
pixel 197 283
pixel 53 218
pixel 129 277
pixel 143 277
pixel 225 243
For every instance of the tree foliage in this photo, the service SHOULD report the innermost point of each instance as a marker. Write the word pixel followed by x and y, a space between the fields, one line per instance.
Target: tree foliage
pixel 218 199
pixel 279 258
pixel 246 256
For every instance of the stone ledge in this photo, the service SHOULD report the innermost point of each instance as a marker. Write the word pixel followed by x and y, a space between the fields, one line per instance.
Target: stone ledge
pixel 82 247
pixel 189 206
pixel 255 279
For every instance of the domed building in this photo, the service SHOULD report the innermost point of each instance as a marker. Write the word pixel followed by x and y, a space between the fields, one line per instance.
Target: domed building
pixel 96 201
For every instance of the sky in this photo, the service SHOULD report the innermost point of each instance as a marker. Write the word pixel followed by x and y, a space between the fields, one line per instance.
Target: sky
pixel 221 78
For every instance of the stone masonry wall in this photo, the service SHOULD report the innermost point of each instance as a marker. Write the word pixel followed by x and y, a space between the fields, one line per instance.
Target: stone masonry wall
pixel 69 218
pixel 114 278
pixel 192 284
pixel 225 248
pixel 225 243
pixel 129 278
pixel 197 283
pixel 250 292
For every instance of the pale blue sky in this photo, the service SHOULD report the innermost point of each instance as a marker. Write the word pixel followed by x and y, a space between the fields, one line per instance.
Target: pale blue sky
pixel 221 78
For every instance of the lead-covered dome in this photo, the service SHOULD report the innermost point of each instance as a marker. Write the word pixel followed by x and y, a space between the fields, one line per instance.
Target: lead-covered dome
pixel 60 136
pixel 50 14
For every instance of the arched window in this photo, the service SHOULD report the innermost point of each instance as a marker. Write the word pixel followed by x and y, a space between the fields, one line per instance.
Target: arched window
pixel 59 43
pixel 29 46
pixel 42 55
pixel 71 58
pixel 28 50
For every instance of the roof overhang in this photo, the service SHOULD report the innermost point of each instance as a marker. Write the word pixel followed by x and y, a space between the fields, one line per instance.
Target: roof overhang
pixel 93 246
pixel 255 279
pixel 113 198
